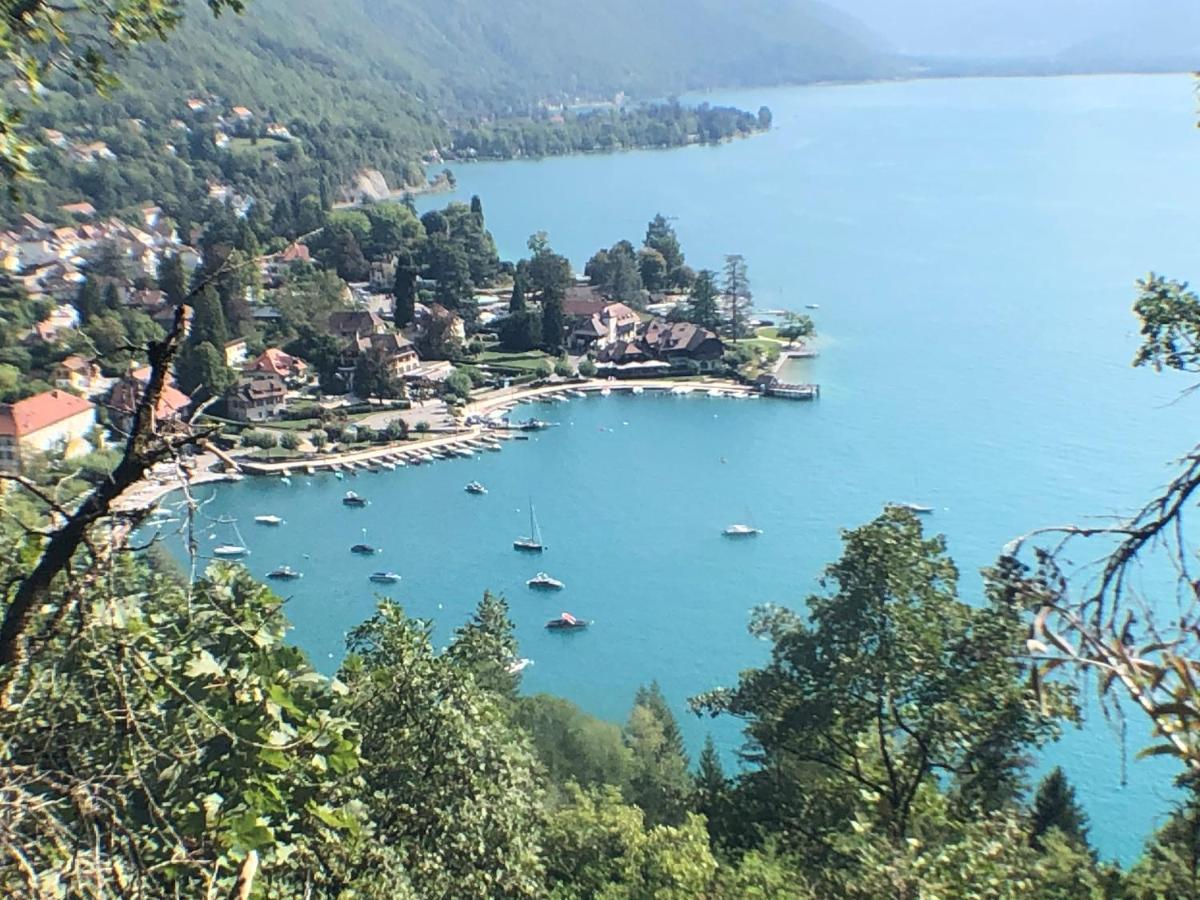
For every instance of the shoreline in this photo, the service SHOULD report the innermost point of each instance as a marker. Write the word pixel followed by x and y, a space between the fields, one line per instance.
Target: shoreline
pixel 149 492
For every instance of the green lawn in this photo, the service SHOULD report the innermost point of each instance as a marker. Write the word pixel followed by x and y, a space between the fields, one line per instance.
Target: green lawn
pixel 264 145
pixel 769 347
pixel 526 361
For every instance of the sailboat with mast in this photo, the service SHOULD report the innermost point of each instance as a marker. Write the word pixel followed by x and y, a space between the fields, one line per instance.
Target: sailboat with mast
pixel 227 550
pixel 532 543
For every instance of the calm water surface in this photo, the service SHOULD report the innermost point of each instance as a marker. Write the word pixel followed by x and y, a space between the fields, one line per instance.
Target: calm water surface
pixel 972 245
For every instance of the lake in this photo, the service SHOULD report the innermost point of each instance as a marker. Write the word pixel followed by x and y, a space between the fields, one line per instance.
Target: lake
pixel 972 245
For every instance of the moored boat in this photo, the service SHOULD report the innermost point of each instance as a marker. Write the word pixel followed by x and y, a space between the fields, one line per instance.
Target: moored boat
pixel 268 520
pixel 917 508
pixel 353 499
pixel 364 549
pixel 567 622
pixel 384 577
pixel 545 582
pixel 740 530
pixel 475 488
pixel 518 665
pixel 532 543
pixel 229 550
pixel 284 573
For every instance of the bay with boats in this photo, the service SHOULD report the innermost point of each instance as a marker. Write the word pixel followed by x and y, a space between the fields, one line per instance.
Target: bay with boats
pixel 974 300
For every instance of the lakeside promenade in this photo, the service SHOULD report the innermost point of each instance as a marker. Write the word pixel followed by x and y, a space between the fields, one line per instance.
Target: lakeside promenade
pixel 211 467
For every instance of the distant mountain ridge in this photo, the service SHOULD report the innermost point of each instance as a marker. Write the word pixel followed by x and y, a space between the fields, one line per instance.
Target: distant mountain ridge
pixel 1044 35
pixel 480 56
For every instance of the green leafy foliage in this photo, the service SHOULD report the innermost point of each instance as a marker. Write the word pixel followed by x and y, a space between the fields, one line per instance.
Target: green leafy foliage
pixel 449 782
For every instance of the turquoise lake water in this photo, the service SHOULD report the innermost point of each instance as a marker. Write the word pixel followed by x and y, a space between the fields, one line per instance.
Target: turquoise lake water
pixel 972 245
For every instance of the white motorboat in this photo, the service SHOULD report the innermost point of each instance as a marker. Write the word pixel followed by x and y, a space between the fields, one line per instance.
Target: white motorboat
pixel 740 530
pixel 268 520
pixel 475 488
pixel 229 551
pixel 545 582
pixel 518 665
pixel 385 577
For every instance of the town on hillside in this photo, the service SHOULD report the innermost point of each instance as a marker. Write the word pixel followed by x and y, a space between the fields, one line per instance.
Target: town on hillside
pixel 377 326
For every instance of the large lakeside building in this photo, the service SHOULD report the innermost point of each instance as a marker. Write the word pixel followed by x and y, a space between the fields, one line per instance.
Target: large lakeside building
pixel 50 422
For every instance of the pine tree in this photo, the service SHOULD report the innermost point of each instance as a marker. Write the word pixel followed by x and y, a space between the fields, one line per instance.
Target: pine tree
pixel 661 236
pixel 737 292
pixel 1055 806
pixel 659 781
pixel 711 795
pixel 702 305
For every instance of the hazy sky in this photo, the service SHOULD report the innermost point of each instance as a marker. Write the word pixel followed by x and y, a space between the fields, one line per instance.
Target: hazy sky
pixel 1023 27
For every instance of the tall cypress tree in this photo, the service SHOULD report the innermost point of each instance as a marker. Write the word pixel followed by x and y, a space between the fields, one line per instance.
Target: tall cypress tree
pixel 89 301
pixel 516 302
pixel 404 289
pixel 208 319
pixel 172 280
pixel 553 320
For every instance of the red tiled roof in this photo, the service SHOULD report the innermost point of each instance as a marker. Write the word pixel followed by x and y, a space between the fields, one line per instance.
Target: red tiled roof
pixel 39 411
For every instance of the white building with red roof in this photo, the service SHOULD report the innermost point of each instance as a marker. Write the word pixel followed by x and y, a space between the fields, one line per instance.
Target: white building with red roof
pixel 290 368
pixel 50 422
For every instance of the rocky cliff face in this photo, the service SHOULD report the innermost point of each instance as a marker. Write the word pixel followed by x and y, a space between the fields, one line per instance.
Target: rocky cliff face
pixel 367 184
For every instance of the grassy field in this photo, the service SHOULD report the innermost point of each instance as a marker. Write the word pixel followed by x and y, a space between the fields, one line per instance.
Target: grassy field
pixel 526 361
pixel 264 145
pixel 765 345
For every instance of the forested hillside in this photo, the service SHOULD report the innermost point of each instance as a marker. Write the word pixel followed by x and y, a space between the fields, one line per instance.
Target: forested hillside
pixel 383 83
pixel 476 56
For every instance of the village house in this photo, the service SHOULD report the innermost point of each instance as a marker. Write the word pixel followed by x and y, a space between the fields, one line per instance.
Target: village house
pixel 83 208
pixel 274 266
pixel 78 374
pixel 195 104
pixel 293 370
pixel 50 422
pixel 661 346
pixel 679 343
pixel 397 356
pixel 90 152
pixel 236 353
pixel 278 131
pixel 350 324
pixel 242 113
pixel 127 393
pixel 451 323
pixel 256 397
pixel 596 324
